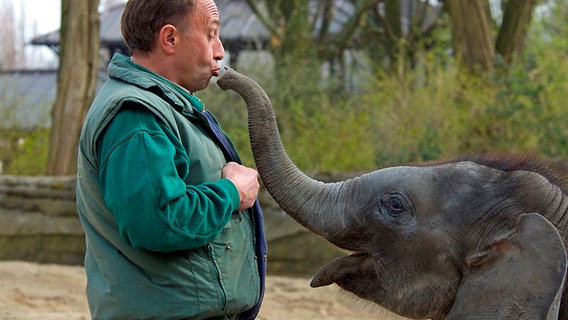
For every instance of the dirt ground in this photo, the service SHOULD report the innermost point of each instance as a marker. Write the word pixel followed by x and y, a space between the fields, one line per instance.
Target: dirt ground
pixel 50 292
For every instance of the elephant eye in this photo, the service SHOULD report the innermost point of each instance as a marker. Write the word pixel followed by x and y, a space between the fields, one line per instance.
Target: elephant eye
pixel 393 204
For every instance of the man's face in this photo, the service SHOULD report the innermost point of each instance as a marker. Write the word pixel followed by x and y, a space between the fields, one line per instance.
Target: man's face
pixel 200 49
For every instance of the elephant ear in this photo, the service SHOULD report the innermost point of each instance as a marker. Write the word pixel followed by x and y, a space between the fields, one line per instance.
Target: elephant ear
pixel 519 276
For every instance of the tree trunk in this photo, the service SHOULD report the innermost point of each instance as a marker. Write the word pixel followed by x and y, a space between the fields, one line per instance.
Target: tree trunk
pixel 76 82
pixel 516 21
pixel 11 50
pixel 471 33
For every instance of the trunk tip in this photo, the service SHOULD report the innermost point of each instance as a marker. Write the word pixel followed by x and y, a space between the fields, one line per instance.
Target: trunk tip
pixel 226 77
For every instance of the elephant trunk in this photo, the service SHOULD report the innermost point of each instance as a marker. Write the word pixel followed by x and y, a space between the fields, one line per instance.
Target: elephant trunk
pixel 318 206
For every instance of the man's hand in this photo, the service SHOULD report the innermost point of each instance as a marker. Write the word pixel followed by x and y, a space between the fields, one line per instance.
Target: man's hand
pixel 246 181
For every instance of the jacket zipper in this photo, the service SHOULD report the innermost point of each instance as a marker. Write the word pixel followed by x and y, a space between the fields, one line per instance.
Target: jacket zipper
pixel 218 274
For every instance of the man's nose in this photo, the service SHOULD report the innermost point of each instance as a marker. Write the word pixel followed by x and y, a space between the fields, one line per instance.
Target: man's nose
pixel 218 50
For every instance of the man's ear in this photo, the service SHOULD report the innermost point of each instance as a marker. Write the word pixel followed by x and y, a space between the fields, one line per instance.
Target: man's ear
pixel 167 38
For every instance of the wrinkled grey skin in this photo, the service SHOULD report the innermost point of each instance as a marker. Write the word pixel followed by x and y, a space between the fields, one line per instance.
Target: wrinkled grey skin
pixel 459 240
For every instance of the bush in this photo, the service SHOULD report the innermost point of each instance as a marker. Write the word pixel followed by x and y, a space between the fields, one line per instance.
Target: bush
pixel 432 112
pixel 24 152
pixel 322 130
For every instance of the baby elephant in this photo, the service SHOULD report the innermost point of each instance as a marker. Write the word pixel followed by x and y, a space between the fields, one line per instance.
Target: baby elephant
pixel 478 238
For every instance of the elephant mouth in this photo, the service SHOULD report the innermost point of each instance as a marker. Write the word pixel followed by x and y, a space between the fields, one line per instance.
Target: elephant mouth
pixel 341 269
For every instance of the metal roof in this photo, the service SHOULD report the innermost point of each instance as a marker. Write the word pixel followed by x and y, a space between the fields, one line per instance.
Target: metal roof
pixel 27 97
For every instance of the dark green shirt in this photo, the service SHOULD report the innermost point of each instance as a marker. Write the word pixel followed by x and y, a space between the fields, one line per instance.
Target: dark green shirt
pixel 143 169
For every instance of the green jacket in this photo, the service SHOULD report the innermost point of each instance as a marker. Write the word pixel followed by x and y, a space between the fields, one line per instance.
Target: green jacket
pixel 164 240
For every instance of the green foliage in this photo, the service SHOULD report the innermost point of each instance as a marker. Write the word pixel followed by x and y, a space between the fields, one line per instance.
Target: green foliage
pixel 332 135
pixel 431 112
pixel 322 129
pixel 439 113
pixel 24 152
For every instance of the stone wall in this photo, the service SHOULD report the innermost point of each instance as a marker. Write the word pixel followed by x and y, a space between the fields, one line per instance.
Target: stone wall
pixel 38 222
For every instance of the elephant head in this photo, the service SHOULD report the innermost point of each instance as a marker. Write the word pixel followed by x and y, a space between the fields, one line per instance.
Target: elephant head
pixel 458 240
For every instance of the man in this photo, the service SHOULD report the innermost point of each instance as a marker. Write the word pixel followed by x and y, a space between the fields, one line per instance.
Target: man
pixel 170 227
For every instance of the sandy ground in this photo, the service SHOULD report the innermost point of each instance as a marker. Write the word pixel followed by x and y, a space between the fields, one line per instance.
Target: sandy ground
pixel 34 291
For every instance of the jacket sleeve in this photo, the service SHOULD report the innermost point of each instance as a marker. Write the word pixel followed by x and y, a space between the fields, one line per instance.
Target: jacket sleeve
pixel 142 165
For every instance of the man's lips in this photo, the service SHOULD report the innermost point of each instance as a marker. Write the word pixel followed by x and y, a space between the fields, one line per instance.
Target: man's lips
pixel 216 72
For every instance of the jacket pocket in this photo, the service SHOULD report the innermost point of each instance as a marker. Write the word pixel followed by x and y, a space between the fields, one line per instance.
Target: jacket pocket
pixel 233 255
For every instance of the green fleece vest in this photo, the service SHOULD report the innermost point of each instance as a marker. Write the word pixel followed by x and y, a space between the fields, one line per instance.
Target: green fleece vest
pixel 126 282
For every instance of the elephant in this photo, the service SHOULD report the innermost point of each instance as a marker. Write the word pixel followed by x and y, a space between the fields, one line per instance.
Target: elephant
pixel 473 238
